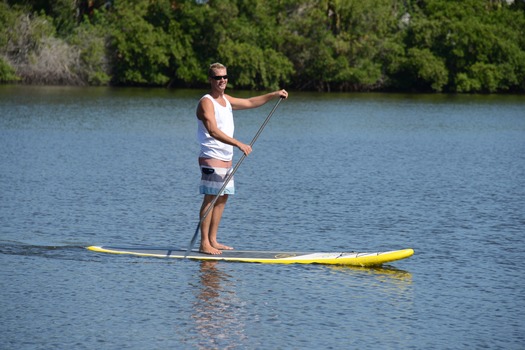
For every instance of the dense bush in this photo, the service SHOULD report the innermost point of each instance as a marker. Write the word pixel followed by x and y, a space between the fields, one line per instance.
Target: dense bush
pixel 324 45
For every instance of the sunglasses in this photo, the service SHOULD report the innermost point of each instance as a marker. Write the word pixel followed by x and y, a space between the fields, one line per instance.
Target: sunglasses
pixel 219 77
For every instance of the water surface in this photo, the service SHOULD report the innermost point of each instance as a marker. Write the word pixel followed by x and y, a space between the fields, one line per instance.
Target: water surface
pixel 331 172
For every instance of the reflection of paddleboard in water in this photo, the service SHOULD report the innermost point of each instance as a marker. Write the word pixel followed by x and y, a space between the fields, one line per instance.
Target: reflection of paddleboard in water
pixel 350 258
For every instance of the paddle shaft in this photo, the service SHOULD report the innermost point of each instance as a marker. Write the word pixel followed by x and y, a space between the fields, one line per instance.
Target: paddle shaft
pixel 230 176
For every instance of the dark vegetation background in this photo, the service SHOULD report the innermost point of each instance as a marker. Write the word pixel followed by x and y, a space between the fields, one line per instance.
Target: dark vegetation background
pixel 323 45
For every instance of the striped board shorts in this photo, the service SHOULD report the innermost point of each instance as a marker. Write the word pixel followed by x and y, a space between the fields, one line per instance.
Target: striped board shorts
pixel 213 174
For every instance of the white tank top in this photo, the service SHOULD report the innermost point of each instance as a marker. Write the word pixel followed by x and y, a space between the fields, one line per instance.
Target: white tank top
pixel 210 147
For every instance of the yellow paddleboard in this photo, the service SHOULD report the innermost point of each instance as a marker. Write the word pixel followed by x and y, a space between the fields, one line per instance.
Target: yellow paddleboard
pixel 339 258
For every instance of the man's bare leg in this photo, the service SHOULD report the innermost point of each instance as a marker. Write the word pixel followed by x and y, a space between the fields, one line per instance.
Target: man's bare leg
pixel 205 246
pixel 217 211
pixel 210 225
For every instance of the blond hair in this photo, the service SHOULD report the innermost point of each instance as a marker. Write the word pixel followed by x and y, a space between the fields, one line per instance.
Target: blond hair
pixel 213 66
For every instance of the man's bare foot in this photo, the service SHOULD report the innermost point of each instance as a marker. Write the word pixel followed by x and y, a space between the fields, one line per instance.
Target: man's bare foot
pixel 222 246
pixel 208 249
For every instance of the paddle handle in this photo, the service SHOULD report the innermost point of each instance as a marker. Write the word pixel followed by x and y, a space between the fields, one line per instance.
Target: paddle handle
pixel 230 176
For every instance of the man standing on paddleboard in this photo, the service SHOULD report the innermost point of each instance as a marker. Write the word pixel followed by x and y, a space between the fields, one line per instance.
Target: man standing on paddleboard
pixel 215 135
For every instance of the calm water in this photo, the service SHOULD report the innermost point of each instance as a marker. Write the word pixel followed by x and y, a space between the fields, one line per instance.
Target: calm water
pixel 441 174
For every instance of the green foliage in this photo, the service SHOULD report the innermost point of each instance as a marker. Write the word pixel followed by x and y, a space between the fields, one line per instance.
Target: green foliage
pixel 482 46
pixel 7 20
pixel 23 32
pixel 139 48
pixel 254 68
pixel 26 40
pixel 470 46
pixel 7 73
pixel 339 44
pixel 64 14
pixel 90 42
pixel 422 70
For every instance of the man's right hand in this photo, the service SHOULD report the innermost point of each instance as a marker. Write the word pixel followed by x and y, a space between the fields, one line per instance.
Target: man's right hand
pixel 246 149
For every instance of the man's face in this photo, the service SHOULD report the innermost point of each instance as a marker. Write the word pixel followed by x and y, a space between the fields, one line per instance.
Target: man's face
pixel 219 80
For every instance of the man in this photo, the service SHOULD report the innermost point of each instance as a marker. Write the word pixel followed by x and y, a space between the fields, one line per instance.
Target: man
pixel 215 135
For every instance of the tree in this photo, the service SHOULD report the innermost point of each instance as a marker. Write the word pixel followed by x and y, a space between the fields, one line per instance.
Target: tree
pixel 480 54
pixel 324 45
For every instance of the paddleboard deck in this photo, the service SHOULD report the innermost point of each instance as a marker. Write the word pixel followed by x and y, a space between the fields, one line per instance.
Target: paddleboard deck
pixel 350 258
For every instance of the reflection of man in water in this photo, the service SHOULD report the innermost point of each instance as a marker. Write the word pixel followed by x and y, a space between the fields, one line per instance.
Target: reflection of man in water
pixel 218 312
pixel 210 279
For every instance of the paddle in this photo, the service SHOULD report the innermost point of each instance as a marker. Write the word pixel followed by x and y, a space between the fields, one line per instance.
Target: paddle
pixel 194 238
